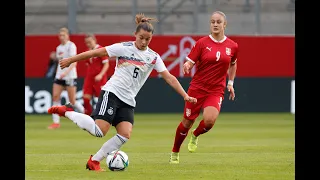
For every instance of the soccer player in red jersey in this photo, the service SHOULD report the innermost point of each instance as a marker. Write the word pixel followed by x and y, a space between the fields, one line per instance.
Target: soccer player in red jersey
pixel 96 74
pixel 215 57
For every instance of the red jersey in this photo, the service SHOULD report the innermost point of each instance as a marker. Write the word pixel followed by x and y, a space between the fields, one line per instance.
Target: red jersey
pixel 212 59
pixel 95 64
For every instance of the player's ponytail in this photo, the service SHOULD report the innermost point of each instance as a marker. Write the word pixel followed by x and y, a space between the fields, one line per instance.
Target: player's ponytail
pixel 143 22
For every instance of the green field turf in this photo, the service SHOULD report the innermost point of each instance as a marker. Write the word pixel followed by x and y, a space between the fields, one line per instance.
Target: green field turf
pixel 239 147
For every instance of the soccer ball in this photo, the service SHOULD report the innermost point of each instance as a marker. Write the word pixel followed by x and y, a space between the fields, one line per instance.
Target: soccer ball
pixel 117 160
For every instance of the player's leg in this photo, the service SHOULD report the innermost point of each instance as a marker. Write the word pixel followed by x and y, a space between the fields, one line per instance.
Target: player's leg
pixel 211 105
pixel 123 121
pixel 93 163
pixel 96 126
pixel 57 88
pixel 87 103
pixel 87 95
pixel 123 127
pixel 96 89
pixel 71 87
pixel 191 112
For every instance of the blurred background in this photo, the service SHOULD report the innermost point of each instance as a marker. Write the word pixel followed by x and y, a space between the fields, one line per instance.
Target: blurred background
pixel 245 17
pixel 264 30
pixel 253 137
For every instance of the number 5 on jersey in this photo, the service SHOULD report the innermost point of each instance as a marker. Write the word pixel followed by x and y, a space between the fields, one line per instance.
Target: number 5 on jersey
pixel 135 72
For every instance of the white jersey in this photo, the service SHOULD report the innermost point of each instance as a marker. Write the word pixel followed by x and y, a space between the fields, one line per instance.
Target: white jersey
pixel 64 51
pixel 133 67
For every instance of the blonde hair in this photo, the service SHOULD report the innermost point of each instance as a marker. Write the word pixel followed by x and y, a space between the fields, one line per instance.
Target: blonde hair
pixel 221 13
pixel 143 22
pixel 64 29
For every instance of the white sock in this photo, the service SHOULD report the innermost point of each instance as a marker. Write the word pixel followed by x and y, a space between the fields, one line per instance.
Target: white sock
pixel 85 122
pixel 56 117
pixel 79 107
pixel 112 144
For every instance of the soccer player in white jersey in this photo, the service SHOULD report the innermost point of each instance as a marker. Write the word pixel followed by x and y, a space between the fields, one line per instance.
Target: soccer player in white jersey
pixel 115 106
pixel 65 79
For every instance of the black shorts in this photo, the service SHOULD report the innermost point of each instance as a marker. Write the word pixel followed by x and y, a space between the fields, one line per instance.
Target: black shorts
pixel 68 82
pixel 111 109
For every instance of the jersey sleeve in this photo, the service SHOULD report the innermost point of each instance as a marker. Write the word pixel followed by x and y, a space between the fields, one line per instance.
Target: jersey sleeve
pixel 195 53
pixel 72 50
pixel 115 50
pixel 104 59
pixel 235 55
pixel 159 65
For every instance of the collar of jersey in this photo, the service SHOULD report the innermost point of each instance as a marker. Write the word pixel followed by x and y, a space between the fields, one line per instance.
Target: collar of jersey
pixel 214 40
pixel 139 49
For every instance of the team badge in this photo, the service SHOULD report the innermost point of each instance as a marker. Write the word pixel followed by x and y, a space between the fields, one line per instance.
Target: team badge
pixel 228 51
pixel 148 59
pixel 110 111
pixel 188 112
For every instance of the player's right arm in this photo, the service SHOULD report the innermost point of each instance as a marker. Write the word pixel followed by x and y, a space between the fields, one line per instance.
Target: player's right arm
pixel 113 50
pixel 192 57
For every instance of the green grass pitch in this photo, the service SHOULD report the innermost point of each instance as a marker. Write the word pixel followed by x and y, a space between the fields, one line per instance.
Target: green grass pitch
pixel 241 146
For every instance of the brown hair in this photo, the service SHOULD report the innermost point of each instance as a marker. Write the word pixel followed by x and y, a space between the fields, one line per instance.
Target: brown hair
pixel 64 29
pixel 89 35
pixel 143 22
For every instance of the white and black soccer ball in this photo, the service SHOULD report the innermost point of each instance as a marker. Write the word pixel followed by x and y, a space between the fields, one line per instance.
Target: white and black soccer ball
pixel 117 160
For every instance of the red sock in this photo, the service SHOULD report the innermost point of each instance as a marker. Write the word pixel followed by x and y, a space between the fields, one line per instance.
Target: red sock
pixel 87 106
pixel 181 134
pixel 201 129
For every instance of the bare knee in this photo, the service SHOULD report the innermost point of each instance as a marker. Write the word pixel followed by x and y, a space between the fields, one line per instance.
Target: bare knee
pixel 187 123
pixel 56 92
pixel 210 115
pixel 87 96
pixel 125 134
pixel 56 97
pixel 103 125
pixel 124 129
pixel 72 94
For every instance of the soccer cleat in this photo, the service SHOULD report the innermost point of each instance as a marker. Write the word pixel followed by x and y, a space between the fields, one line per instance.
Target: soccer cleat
pixel 60 110
pixel 174 158
pixel 193 143
pixel 93 165
pixel 54 126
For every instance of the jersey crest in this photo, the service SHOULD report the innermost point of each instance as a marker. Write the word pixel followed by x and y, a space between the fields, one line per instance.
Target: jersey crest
pixel 228 51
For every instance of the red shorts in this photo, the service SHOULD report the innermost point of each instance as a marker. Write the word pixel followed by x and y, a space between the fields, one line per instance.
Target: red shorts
pixel 192 111
pixel 92 87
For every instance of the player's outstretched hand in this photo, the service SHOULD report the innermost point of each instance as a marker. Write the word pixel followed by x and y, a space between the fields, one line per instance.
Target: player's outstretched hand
pixel 187 66
pixel 190 99
pixel 231 91
pixel 64 63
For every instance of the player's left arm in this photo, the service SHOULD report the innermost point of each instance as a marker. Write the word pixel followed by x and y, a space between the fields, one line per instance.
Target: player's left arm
pixel 72 52
pixel 105 67
pixel 233 65
pixel 172 80
pixel 232 73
